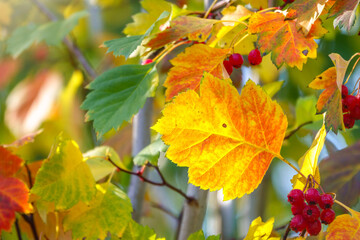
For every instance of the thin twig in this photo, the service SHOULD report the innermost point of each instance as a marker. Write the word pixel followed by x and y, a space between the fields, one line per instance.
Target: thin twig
pixel 162 183
pixel 165 210
pixel 297 129
pixel 71 46
pixel 18 231
pixel 29 175
pixel 210 8
pixel 286 232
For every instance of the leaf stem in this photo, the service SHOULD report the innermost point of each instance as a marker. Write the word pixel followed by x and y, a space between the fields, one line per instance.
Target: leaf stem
pixel 210 8
pixel 286 232
pixel 352 70
pixel 162 183
pixel 166 51
pixel 288 163
pixel 297 129
pixel 18 231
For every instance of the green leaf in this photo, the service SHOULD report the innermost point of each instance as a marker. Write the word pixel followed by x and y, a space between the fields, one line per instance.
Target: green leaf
pixel 150 153
pixel 306 110
pixel 272 88
pixel 64 178
pixel 135 231
pixel 126 46
pixel 118 94
pixel 199 235
pixel 99 165
pixel 110 211
pixel 52 33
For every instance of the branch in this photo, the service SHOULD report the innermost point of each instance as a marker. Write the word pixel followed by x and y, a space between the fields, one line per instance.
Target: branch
pixel 18 231
pixel 297 129
pixel 165 210
pixel 162 183
pixel 71 46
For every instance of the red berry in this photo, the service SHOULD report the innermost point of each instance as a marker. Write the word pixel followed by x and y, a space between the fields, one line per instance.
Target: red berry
pixel 147 61
pixel 327 216
pixel 355 113
pixel 295 196
pixel 312 196
pixel 298 223
pixel 311 213
pixel 314 228
pixel 349 102
pixel 349 121
pixel 288 1
pixel 298 208
pixel 255 57
pixel 236 60
pixel 326 201
pixel 344 91
pixel 228 66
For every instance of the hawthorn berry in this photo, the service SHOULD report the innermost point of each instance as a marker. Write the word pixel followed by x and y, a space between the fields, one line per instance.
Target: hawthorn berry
pixel 295 196
pixel 254 57
pixel 314 228
pixel 298 208
pixel 147 61
pixel 298 223
pixel 326 201
pixel 228 66
pixel 312 196
pixel 236 60
pixel 349 121
pixel 327 216
pixel 311 213
pixel 355 113
pixel 349 102
pixel 288 1
pixel 344 91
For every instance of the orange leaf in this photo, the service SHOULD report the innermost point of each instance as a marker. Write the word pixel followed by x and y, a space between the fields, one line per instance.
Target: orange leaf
pixel 190 66
pixel 307 12
pixel 330 99
pixel 226 140
pixel 345 227
pixel 9 163
pixel 196 29
pixel 281 37
pixel 14 196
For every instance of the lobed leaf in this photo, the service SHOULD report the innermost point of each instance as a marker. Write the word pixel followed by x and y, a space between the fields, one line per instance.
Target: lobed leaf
pixel 64 178
pixel 281 37
pixel 118 94
pixel 226 140
pixel 260 230
pixel 9 162
pixel 109 211
pixel 150 153
pixel 345 227
pixel 135 231
pixel 189 67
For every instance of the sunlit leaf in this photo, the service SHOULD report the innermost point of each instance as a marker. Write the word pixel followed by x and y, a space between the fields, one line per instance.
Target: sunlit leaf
pixel 64 178
pixel 118 94
pixel 259 4
pixel 150 153
pixel 308 163
pixel 52 33
pixel 330 99
pixel 260 230
pixel 307 12
pixel 9 162
pixel 195 29
pixel 344 13
pixel 281 37
pixel 272 88
pixel 340 173
pixel 345 227
pixel 305 110
pixel 226 140
pixel 135 231
pixel 109 211
pixel 14 196
pixel 199 235
pixel 190 66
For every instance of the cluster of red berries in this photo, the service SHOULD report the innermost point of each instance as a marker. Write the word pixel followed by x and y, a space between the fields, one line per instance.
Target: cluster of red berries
pixel 236 60
pixel 306 216
pixel 350 107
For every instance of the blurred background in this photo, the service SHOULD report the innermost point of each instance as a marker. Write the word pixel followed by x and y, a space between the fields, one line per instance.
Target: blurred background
pixel 43 87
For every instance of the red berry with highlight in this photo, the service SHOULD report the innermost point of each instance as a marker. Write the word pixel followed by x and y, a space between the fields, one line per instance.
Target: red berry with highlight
pixel 298 223
pixel 298 208
pixel 327 216
pixel 349 121
pixel 326 201
pixel 311 213
pixel 254 57
pixel 312 196
pixel 314 228
pixel 344 91
pixel 295 196
pixel 147 61
pixel 228 66
pixel 236 60
pixel 349 103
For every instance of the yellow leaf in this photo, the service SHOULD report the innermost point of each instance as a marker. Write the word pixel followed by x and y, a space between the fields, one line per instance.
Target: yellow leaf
pixel 257 3
pixel 6 12
pixel 190 66
pixel 309 162
pixel 226 140
pixel 260 231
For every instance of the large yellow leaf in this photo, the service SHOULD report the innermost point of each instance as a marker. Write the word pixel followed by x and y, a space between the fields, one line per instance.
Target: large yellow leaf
pixel 309 162
pixel 345 227
pixel 260 230
pixel 191 65
pixel 226 140
pixel 280 36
